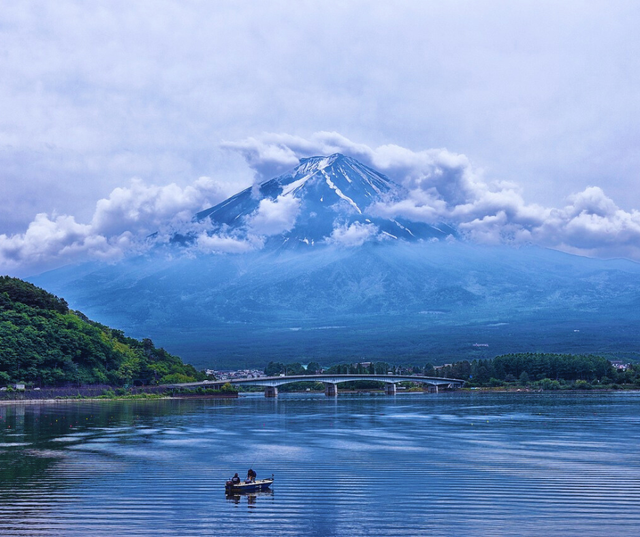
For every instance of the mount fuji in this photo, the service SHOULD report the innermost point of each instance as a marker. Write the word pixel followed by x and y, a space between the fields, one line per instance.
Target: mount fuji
pixel 323 193
pixel 411 292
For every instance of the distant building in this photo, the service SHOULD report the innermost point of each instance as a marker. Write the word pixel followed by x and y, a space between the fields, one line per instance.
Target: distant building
pixel 240 373
pixel 620 365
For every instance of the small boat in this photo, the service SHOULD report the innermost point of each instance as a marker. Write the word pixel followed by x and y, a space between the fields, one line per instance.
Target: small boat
pixel 251 486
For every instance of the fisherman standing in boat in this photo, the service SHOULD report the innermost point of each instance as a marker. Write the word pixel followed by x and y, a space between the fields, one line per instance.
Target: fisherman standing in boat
pixel 251 476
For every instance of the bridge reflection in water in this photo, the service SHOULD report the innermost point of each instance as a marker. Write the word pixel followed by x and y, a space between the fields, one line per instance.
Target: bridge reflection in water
pixel 331 382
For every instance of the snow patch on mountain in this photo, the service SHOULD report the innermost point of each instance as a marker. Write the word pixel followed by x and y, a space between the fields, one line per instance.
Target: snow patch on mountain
pixel 339 192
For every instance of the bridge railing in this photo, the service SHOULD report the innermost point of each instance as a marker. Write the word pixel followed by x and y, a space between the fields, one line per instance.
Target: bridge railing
pixel 340 378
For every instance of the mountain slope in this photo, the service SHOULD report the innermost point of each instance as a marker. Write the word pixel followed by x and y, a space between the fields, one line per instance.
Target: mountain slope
pixel 403 300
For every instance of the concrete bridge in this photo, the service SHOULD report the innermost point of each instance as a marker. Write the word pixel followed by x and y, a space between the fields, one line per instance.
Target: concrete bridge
pixel 330 382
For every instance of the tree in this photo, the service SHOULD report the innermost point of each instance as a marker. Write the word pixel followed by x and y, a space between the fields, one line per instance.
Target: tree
pixel 274 369
pixel 461 370
pixel 295 369
pixel 548 384
pixel 482 374
pixel 4 378
pixel 381 368
pixel 176 378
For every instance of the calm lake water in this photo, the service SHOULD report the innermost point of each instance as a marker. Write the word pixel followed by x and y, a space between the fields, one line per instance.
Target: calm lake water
pixel 413 464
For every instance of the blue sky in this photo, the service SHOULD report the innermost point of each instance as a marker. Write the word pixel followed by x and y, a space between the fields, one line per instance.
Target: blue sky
pixel 119 116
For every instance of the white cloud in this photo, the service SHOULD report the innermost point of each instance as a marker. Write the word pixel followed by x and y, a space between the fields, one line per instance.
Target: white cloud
pixel 352 235
pixel 592 222
pixel 57 240
pixel 225 244
pixel 120 225
pixel 142 208
pixel 274 216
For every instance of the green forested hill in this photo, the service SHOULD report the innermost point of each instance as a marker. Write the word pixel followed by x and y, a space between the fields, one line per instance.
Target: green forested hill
pixel 45 343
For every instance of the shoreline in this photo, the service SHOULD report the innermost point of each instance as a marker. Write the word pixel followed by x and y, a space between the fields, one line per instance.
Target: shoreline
pixel 66 400
pixel 7 402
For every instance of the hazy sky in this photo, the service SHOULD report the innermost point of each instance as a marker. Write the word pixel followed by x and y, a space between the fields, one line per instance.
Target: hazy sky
pixel 543 95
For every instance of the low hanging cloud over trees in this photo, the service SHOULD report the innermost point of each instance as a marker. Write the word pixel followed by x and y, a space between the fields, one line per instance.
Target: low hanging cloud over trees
pixel 436 186
pixel 352 235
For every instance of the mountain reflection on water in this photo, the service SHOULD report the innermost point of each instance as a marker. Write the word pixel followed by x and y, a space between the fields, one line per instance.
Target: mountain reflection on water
pixel 413 464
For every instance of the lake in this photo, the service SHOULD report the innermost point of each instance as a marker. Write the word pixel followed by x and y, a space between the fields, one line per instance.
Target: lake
pixel 410 464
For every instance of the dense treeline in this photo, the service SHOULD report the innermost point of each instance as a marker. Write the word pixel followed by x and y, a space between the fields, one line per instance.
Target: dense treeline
pixel 43 343
pixel 526 368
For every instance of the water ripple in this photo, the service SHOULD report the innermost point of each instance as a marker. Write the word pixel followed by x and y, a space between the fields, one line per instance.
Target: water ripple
pixel 405 465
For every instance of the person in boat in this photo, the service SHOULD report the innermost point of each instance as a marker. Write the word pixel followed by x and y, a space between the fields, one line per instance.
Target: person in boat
pixel 235 479
pixel 251 476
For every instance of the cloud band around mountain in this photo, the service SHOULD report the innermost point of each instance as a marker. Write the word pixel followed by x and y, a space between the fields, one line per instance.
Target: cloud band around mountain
pixel 437 186
pixel 441 186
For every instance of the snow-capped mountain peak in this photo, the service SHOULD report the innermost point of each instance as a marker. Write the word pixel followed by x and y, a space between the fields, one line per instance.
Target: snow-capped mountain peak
pixel 335 177
pixel 329 192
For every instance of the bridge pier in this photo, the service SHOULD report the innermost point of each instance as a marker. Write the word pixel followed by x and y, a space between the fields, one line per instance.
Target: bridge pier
pixel 271 391
pixel 330 390
pixel 433 388
pixel 389 388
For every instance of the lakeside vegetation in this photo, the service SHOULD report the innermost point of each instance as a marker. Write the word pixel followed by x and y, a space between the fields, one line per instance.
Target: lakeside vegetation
pixel 94 392
pixel 543 370
pixel 225 390
pixel 45 344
